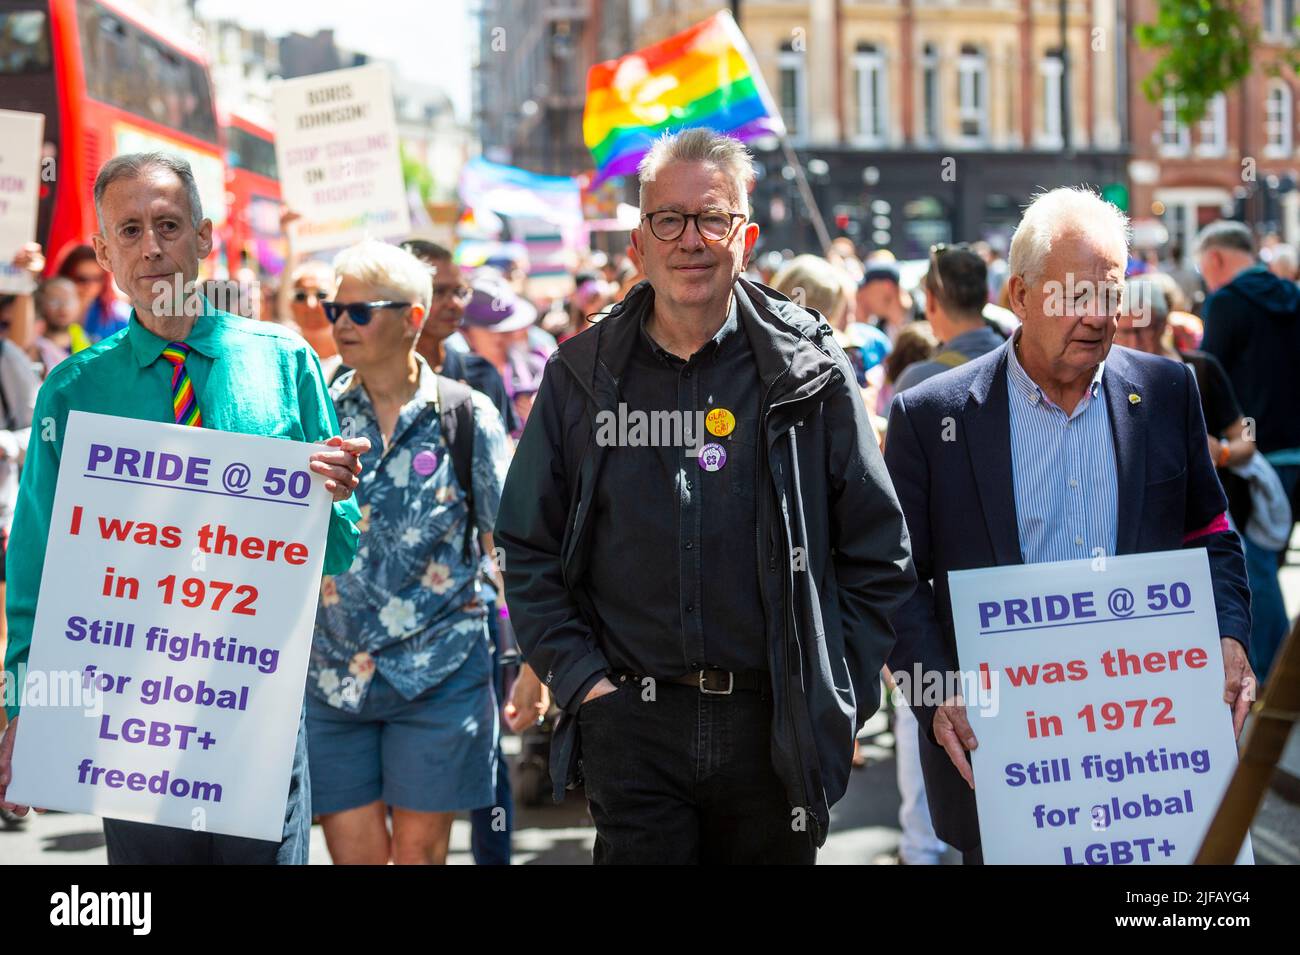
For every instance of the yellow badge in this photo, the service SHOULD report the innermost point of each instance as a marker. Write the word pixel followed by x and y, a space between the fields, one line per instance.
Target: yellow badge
pixel 720 422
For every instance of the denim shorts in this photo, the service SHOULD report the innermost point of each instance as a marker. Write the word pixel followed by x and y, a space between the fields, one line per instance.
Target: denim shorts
pixel 436 753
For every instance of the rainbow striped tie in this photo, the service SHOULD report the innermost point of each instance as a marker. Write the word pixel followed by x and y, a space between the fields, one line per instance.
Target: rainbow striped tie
pixel 185 404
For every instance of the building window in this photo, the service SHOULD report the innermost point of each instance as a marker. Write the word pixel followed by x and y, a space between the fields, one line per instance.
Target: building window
pixel 1279 18
pixel 873 96
pixel 1212 131
pixel 1050 72
pixel 929 130
pixel 1277 120
pixel 793 74
pixel 1174 137
pixel 973 96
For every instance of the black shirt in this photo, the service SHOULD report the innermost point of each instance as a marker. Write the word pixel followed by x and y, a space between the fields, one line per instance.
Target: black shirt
pixel 1220 408
pixel 692 599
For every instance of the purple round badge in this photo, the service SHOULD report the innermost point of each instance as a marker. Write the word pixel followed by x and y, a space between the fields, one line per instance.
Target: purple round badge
pixel 713 457
pixel 425 463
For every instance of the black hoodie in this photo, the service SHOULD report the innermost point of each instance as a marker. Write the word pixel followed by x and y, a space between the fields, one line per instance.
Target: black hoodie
pixel 1252 325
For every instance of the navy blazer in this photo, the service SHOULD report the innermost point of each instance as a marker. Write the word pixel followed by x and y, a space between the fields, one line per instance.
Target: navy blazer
pixel 948 450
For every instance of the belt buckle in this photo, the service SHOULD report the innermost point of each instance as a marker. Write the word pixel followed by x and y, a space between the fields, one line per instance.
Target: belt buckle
pixel 731 685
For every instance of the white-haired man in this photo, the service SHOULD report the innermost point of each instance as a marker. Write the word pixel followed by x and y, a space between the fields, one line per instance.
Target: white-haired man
pixel 1053 461
pixel 709 606
pixel 226 373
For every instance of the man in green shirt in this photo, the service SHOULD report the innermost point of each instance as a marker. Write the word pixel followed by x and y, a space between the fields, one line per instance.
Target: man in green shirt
pixel 196 366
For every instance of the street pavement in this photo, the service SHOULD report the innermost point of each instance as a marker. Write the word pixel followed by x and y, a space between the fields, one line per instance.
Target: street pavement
pixel 864 825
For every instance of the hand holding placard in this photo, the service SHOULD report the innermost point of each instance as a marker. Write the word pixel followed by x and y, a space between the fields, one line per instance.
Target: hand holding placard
pixel 1099 738
pixel 175 612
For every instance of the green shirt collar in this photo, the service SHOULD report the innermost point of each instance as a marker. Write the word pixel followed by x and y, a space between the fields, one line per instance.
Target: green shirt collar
pixel 204 337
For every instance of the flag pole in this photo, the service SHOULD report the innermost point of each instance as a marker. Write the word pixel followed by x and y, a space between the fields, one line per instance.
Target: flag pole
pixel 805 192
pixel 801 181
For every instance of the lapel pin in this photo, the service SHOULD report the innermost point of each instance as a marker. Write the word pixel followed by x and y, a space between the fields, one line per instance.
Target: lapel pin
pixel 1134 399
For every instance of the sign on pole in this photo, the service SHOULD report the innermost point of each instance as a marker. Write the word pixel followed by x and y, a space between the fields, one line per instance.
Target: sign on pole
pixel 173 627
pixel 1097 701
pixel 20 187
pixel 337 153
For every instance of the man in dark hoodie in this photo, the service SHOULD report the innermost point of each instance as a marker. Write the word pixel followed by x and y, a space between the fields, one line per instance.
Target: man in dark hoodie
pixel 1252 325
pixel 711 619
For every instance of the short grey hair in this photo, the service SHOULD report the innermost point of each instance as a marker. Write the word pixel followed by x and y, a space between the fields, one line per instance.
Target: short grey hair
pixel 1061 211
pixel 393 271
pixel 1226 234
pixel 132 165
pixel 699 144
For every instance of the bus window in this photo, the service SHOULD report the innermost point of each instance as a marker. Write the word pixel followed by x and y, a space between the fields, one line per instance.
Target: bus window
pixel 130 70
pixel 24 42
pixel 251 152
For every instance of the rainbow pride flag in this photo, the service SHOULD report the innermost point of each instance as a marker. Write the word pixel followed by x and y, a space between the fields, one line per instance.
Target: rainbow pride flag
pixel 703 76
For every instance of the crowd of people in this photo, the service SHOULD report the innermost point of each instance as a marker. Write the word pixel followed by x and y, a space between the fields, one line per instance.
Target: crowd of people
pixel 458 603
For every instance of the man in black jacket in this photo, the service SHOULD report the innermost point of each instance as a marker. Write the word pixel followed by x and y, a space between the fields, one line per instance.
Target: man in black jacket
pixel 701 546
pixel 1252 326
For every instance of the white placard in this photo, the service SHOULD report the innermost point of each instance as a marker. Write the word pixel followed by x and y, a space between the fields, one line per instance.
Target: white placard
pixel 1095 689
pixel 337 153
pixel 20 187
pixel 183 566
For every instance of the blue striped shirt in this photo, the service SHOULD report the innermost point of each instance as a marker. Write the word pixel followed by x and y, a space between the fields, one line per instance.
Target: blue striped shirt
pixel 1064 472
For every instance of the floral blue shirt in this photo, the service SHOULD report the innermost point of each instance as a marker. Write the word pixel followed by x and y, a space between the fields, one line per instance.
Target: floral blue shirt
pixel 409 606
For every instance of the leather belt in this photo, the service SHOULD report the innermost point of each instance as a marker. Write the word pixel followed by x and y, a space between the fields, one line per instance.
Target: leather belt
pixel 712 682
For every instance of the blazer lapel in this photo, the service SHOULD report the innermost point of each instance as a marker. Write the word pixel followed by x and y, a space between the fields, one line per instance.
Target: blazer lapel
pixel 1128 428
pixel 988 442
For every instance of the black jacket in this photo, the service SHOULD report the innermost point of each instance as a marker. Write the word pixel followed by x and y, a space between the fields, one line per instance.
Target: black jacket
pixel 1252 325
pixel 830 527
pixel 959 496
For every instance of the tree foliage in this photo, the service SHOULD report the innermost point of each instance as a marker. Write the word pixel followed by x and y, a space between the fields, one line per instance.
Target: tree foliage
pixel 416 174
pixel 1206 47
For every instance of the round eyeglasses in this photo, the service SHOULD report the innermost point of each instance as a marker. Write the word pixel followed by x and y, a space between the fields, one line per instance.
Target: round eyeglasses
pixel 713 226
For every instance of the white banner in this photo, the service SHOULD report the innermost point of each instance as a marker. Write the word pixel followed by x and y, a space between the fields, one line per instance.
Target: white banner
pixel 1095 690
pixel 337 152
pixel 20 187
pixel 173 626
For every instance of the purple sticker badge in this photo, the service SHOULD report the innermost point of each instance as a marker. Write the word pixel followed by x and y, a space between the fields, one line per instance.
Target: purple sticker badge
pixel 425 463
pixel 713 457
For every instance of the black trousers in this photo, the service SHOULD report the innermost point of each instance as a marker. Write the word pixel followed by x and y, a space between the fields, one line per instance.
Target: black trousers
pixel 685 778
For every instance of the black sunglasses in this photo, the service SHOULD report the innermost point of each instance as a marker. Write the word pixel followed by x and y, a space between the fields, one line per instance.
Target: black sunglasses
pixel 359 313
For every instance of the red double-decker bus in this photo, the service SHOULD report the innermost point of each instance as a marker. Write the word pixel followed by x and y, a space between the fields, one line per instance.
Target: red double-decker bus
pixel 108 82
pixel 253 232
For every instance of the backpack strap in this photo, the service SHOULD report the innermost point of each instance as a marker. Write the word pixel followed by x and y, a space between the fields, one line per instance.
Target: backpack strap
pixel 456 407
